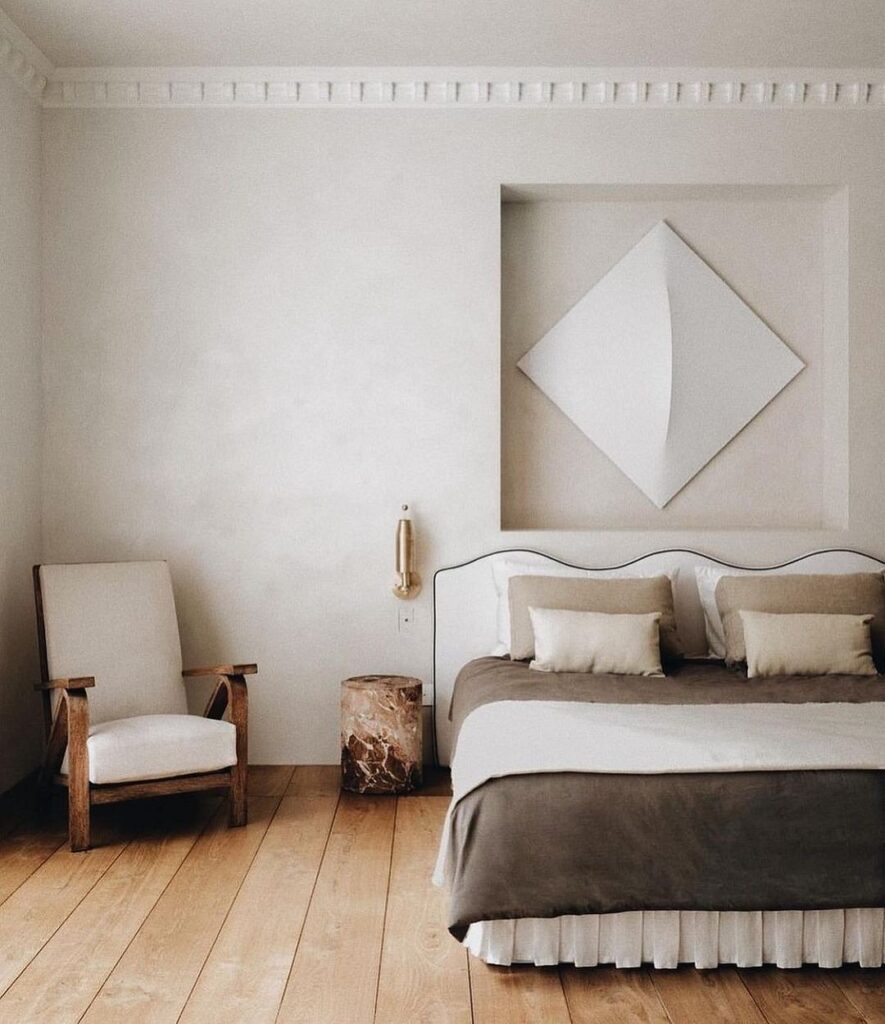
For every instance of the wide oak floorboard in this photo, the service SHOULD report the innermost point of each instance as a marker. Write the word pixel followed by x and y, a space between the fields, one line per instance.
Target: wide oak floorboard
pixel 41 904
pixel 719 996
pixel 808 995
pixel 424 975
pixel 334 975
pixel 61 981
pixel 156 974
pixel 269 779
pixel 245 974
pixel 865 989
pixel 611 995
pixel 321 911
pixel 516 995
pixel 26 849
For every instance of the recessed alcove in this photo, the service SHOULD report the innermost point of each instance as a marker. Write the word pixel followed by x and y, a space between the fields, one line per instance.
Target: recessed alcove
pixel 784 251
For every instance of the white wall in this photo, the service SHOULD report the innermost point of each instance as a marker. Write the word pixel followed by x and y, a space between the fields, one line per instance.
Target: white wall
pixel 266 329
pixel 20 427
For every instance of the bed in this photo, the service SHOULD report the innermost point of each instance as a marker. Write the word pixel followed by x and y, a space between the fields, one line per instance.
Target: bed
pixel 704 817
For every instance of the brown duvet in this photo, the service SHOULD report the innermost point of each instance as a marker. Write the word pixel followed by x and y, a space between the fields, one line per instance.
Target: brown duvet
pixel 550 844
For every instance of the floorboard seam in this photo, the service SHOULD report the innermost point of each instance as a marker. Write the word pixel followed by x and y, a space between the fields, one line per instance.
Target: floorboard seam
pixel 288 781
pixel 470 988
pixel 210 815
pixel 568 1005
pixel 386 905
pixel 65 919
pixel 33 871
pixel 762 1013
pixel 650 974
pixel 834 978
pixel 279 801
pixel 307 908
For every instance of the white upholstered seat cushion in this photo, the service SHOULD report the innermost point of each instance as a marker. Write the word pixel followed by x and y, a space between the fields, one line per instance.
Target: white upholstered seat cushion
pixel 157 747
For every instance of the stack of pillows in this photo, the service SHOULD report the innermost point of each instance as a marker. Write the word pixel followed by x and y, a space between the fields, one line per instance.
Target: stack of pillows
pixel 796 624
pixel 611 622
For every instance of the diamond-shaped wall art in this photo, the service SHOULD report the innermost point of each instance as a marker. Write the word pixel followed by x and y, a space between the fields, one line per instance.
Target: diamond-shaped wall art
pixel 660 364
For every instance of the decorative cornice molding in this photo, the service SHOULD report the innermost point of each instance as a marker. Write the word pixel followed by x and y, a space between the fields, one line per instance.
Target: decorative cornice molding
pixel 469 88
pixel 525 88
pixel 21 59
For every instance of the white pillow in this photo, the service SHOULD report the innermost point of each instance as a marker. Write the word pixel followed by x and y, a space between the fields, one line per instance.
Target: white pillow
pixel 706 577
pixel 503 570
pixel 596 642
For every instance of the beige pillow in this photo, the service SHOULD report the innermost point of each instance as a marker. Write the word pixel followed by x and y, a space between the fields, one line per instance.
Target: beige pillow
pixel 807 644
pixel 568 641
pixel 859 593
pixel 612 596
pixel 504 569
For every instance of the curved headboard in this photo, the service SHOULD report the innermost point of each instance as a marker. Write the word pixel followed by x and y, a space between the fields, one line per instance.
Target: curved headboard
pixel 465 606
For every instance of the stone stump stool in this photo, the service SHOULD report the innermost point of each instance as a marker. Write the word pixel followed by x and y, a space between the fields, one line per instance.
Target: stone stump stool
pixel 381 733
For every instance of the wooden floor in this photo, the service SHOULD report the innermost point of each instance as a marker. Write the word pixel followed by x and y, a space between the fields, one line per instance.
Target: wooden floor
pixel 320 910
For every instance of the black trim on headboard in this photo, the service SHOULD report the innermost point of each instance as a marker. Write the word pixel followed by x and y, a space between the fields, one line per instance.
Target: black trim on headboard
pixel 605 568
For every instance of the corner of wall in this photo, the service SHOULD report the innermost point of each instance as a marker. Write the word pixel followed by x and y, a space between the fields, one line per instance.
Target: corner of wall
pixel 20 423
pixel 24 62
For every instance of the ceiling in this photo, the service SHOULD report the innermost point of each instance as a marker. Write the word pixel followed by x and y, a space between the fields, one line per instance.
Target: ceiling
pixel 601 33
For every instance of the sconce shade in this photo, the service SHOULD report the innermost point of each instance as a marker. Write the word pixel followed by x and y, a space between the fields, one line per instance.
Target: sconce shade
pixel 408 582
pixel 404 542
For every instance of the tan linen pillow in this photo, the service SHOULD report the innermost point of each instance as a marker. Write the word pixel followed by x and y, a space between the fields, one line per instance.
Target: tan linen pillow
pixel 635 596
pixel 807 644
pixel 858 593
pixel 567 641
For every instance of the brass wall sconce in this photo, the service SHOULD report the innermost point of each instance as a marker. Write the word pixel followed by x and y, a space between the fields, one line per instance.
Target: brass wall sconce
pixel 409 582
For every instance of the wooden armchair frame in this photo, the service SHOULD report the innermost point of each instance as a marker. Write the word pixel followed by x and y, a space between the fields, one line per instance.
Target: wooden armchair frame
pixel 67 728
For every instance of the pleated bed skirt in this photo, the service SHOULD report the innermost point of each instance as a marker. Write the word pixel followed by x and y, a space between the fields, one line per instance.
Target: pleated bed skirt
pixel 666 938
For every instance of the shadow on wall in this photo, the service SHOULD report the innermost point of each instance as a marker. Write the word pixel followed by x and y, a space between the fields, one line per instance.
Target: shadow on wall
pixel 21 720
pixel 202 640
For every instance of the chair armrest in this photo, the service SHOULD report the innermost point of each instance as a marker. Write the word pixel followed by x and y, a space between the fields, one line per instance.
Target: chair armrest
pixel 69 729
pixel 229 692
pixel 221 670
pixel 75 683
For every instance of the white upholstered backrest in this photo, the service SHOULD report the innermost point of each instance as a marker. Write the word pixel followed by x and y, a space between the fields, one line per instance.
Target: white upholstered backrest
pixel 115 621
pixel 465 605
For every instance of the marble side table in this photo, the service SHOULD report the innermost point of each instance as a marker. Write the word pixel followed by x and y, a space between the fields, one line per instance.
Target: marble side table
pixel 381 732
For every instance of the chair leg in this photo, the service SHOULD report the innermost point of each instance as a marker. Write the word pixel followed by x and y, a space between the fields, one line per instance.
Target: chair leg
pixel 238 799
pixel 79 814
pixel 239 710
pixel 78 773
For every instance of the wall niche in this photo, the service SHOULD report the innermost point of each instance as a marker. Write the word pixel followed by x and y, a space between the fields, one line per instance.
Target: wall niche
pixel 784 251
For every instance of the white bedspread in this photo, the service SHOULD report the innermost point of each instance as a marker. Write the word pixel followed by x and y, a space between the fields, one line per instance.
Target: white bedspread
pixel 524 737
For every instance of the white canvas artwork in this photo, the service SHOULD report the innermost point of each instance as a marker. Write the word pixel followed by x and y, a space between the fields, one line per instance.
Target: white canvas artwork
pixel 661 364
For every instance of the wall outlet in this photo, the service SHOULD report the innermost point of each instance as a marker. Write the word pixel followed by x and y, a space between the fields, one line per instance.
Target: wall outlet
pixel 405 618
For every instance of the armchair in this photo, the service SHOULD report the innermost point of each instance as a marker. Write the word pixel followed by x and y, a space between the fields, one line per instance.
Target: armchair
pixel 124 731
